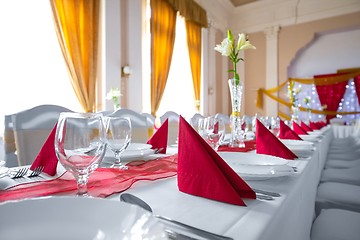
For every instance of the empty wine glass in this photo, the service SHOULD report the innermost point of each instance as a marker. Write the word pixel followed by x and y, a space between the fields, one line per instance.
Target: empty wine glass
pixel 275 126
pixel 118 137
pixel 213 131
pixel 80 145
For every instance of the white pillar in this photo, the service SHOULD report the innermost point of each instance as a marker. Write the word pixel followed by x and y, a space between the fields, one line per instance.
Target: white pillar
pixel 211 88
pixel 111 50
pixel 271 34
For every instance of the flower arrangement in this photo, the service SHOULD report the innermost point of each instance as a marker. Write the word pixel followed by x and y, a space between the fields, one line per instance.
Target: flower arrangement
pixel 114 94
pixel 229 49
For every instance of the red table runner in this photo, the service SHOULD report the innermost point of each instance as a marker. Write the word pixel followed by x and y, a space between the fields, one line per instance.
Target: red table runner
pixel 102 182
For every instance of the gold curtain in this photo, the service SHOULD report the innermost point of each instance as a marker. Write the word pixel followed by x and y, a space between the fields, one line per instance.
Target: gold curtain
pixel 162 28
pixel 193 36
pixel 77 28
pixel 190 10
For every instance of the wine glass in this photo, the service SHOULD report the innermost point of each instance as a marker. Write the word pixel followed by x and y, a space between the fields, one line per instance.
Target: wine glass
pixel 275 126
pixel 118 137
pixel 80 145
pixel 213 131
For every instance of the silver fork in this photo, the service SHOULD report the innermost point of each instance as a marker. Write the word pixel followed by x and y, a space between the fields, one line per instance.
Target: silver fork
pixel 36 172
pixel 20 173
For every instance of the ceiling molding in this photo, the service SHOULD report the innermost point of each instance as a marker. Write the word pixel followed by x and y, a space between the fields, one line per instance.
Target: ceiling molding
pixel 257 16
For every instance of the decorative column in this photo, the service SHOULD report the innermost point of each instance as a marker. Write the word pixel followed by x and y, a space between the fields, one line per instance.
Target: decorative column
pixel 272 74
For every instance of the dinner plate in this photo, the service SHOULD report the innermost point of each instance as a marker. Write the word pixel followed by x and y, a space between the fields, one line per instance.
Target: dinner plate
pixel 316 133
pixel 264 172
pixel 132 152
pixel 76 218
pixel 238 158
pixel 298 144
pixel 313 138
pixel 3 172
pixel 2 163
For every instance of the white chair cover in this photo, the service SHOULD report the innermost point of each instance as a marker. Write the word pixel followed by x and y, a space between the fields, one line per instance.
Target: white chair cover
pixel 139 124
pixel 31 129
pixel 341 175
pixel 336 224
pixel 337 195
pixel 173 127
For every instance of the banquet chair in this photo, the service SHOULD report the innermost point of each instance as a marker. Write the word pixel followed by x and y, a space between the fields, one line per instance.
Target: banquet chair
pixel 151 123
pixel 9 145
pixel 173 125
pixel 335 224
pixel 194 120
pixel 342 175
pixel 337 195
pixel 139 124
pixel 32 127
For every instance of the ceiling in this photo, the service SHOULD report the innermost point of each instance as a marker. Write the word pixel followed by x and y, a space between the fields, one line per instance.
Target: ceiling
pixel 238 3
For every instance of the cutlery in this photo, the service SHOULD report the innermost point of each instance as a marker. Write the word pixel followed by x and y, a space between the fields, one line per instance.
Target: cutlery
pixel 264 197
pixel 36 172
pixel 272 194
pixel 129 198
pixel 20 173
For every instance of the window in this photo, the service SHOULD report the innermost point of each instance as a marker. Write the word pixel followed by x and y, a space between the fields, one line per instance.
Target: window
pixel 33 70
pixel 179 91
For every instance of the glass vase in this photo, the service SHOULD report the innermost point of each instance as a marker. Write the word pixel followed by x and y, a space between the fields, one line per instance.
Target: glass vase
pixel 236 92
pixel 295 113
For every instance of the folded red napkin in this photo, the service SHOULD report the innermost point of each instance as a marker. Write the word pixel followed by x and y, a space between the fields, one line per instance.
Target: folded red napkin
pixel 287 133
pixel 305 127
pixel 314 126
pixel 268 143
pixel 299 130
pixel 47 157
pixel 202 172
pixel 160 138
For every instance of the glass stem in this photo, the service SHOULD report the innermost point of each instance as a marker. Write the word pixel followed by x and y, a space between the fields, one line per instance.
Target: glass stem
pixel 82 185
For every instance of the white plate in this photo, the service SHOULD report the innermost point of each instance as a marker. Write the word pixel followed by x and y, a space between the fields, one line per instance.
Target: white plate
pixel 316 133
pixel 238 158
pixel 313 138
pixel 248 172
pixel 298 144
pixel 2 163
pixel 76 218
pixel 133 152
pixel 3 171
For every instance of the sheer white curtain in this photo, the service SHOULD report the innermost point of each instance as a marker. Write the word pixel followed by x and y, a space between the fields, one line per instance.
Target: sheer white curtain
pixel 33 71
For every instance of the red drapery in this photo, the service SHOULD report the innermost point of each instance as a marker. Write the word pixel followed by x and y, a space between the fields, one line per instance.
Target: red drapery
pixel 357 87
pixel 331 95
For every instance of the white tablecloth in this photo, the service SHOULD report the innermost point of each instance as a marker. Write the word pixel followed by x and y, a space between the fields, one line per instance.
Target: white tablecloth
pixel 343 131
pixel 287 217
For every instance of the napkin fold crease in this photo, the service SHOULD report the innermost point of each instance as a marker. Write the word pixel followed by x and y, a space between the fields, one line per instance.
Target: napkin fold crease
pixel 287 133
pixel 299 130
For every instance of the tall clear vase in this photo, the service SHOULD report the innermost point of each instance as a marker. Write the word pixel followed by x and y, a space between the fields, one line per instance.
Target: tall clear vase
pixel 295 114
pixel 237 134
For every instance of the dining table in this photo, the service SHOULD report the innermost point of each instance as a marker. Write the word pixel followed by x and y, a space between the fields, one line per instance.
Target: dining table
pixel 288 216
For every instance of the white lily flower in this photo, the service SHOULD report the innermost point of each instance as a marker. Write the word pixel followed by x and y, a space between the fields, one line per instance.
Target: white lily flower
pixel 224 48
pixel 243 43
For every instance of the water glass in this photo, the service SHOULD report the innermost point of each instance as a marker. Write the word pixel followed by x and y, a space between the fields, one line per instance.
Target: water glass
pixel 213 131
pixel 118 137
pixel 80 145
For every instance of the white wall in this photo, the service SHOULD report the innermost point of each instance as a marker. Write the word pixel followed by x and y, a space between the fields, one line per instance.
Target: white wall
pixel 327 53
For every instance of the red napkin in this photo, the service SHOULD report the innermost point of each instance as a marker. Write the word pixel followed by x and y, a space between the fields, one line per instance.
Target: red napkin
pixel 160 138
pixel 47 157
pixel 202 172
pixel 314 126
pixel 305 127
pixel 299 130
pixel 287 133
pixel 268 143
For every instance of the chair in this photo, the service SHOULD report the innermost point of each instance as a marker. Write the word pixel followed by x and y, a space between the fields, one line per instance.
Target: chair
pixel 173 127
pixel 139 124
pixel 31 129
pixel 337 195
pixel 194 120
pixel 9 145
pixel 335 224
pixel 151 123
